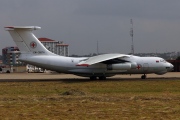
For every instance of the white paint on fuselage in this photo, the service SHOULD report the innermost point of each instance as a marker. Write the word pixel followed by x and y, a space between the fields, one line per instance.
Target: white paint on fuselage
pixel 69 65
pixel 148 65
pixel 36 54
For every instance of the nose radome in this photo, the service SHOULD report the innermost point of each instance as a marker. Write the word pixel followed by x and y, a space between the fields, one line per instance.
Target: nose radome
pixel 171 67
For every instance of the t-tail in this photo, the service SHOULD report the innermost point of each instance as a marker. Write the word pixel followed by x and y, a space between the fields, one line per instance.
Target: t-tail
pixel 27 41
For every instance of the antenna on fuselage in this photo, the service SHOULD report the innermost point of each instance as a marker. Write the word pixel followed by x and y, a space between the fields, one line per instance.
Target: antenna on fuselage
pixel 132 34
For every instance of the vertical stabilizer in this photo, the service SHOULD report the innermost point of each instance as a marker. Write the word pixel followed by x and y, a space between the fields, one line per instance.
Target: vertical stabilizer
pixel 26 40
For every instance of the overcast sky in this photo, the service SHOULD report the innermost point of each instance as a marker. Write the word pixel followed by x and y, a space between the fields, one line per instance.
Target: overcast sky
pixel 81 23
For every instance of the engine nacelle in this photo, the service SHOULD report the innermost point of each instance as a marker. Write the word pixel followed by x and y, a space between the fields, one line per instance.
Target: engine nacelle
pixel 122 66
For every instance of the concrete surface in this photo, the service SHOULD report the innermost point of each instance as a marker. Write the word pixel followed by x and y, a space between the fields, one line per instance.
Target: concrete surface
pixel 56 76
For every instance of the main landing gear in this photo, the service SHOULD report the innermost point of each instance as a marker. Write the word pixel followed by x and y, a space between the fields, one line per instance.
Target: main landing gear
pixel 93 78
pixel 143 76
pixel 100 78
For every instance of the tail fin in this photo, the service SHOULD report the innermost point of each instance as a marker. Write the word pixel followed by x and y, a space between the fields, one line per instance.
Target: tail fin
pixel 26 40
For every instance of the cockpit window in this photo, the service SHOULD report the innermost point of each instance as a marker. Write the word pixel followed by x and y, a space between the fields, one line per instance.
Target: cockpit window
pixel 162 60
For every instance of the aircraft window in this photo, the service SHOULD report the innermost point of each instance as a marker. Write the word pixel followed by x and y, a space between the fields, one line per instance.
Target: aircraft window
pixel 162 60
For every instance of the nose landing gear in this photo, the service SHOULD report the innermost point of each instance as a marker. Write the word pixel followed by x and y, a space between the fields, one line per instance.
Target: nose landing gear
pixel 93 78
pixel 100 78
pixel 143 76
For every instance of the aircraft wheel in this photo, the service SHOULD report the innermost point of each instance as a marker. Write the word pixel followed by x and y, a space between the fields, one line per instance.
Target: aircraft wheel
pixel 93 78
pixel 102 78
pixel 143 76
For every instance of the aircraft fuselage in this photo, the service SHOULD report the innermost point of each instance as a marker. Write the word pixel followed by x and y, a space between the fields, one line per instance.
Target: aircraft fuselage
pixel 143 65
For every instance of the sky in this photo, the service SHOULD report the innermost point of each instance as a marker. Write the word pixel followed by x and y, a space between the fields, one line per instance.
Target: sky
pixel 83 23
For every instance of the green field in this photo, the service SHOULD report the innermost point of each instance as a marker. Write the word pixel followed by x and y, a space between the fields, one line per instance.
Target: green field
pixel 152 99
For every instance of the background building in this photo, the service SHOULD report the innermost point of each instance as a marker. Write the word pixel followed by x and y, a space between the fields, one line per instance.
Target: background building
pixel 56 47
pixel 11 56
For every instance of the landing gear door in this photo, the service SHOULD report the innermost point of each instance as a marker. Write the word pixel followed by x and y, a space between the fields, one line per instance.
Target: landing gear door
pixel 145 67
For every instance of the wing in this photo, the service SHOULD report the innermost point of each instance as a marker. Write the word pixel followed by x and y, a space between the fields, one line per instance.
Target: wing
pixel 105 58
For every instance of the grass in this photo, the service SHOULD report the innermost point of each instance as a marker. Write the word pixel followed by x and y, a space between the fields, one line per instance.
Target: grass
pixel 111 99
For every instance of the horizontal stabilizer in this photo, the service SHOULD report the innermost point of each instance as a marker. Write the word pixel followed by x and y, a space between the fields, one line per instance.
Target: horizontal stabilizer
pixel 23 27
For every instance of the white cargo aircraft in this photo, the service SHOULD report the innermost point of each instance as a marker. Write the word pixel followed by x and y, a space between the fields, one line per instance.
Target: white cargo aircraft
pixel 101 66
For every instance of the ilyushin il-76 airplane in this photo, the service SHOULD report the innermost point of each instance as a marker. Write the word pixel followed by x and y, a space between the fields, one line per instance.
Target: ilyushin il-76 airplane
pixel 101 66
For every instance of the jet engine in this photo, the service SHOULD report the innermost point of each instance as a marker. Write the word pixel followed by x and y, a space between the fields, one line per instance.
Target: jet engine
pixel 122 66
